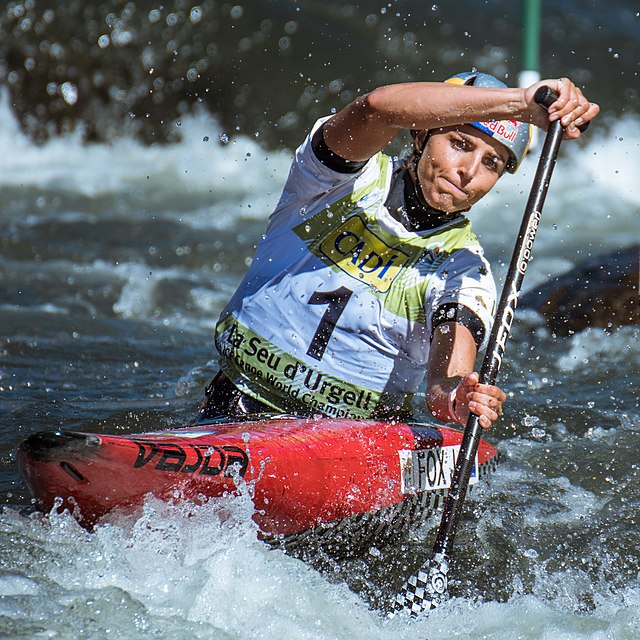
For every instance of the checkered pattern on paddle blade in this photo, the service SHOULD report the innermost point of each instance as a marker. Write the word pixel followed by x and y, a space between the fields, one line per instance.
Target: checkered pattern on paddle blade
pixel 426 589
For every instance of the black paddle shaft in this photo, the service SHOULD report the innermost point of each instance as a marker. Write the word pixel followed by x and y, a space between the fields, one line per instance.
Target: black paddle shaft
pixel 502 324
pixel 428 587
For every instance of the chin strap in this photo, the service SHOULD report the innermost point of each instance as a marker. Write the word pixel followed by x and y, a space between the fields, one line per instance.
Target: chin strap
pixel 412 168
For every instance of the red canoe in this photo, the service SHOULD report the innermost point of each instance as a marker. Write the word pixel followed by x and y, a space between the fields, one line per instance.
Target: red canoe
pixel 307 477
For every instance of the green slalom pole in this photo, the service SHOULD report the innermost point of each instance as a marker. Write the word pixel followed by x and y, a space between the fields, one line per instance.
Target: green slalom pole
pixel 530 70
pixel 531 35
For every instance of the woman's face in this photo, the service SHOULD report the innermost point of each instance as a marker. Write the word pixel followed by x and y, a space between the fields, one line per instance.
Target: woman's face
pixel 459 165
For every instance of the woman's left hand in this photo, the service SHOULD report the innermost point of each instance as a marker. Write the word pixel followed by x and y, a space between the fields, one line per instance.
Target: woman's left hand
pixel 484 400
pixel 572 108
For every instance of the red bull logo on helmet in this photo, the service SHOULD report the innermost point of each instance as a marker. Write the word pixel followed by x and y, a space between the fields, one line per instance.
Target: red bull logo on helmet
pixel 512 134
pixel 504 130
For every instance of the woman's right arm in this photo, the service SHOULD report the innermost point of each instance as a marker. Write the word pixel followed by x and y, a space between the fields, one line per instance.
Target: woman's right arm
pixel 369 123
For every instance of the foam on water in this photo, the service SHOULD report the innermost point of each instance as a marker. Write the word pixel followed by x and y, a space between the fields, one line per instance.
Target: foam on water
pixel 597 348
pixel 141 298
pixel 614 165
pixel 199 568
pixel 200 572
pixel 201 170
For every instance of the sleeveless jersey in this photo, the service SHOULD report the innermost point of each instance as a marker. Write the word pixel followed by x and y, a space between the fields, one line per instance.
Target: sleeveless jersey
pixel 334 314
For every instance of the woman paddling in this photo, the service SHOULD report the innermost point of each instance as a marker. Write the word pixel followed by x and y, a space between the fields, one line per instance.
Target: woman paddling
pixel 369 276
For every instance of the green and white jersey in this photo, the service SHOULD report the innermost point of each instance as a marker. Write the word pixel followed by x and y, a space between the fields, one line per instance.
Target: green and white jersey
pixel 334 314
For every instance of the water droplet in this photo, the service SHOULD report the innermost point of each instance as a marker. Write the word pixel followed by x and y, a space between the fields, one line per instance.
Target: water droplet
pixel 69 93
pixel 538 433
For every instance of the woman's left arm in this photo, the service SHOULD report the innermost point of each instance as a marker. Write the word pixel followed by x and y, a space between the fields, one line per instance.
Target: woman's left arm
pixel 453 388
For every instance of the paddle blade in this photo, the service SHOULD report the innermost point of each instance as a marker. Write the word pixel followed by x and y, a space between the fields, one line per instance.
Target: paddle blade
pixel 427 589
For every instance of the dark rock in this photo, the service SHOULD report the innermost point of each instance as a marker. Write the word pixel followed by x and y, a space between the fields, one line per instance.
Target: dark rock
pixel 601 292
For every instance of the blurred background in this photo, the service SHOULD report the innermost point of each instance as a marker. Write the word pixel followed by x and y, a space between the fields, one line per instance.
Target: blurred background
pixel 270 67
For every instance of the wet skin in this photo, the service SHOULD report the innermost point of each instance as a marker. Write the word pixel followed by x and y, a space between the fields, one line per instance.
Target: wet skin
pixel 459 166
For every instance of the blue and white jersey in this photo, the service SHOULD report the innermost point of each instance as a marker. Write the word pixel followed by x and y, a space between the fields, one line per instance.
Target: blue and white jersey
pixel 334 315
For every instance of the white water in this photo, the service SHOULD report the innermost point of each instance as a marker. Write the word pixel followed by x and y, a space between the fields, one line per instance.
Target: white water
pixel 193 176
pixel 194 573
